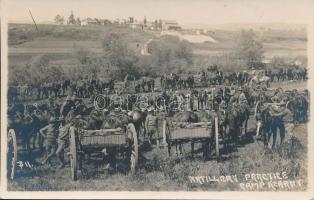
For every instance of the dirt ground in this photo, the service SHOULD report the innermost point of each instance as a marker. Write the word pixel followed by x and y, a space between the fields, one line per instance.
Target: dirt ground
pixel 159 172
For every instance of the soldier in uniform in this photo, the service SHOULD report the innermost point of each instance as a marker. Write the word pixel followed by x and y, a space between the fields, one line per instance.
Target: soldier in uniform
pixel 287 124
pixel 233 97
pixel 151 126
pixel 53 107
pixel 50 133
pixel 202 99
pixel 278 96
pixel 242 99
pixel 67 106
pixel 63 140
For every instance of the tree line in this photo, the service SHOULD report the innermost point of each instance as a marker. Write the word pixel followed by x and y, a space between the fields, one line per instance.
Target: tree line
pixel 71 20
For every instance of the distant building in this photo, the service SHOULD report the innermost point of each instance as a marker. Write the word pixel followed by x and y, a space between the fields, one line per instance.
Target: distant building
pixel 131 20
pixel 95 21
pixel 119 21
pixel 89 21
pixel 103 22
pixel 266 63
pixel 135 25
pixel 151 26
pixel 298 63
pixel 170 25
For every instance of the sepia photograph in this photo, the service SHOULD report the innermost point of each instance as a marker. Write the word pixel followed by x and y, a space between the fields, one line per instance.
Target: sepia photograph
pixel 167 96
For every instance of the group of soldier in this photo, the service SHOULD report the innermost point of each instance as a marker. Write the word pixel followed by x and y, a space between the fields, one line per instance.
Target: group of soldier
pixel 56 131
pixel 89 86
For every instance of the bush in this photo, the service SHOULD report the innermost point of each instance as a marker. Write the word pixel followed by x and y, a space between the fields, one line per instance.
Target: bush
pixel 37 71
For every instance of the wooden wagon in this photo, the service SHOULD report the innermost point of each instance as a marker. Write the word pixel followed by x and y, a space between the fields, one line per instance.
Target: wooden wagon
pixel 176 133
pixel 82 142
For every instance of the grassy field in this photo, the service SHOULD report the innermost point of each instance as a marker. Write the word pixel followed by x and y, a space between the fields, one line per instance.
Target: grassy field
pixel 158 172
pixel 59 42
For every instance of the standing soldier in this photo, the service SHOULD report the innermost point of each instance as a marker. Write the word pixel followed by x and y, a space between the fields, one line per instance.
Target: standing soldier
pixel 53 107
pixel 195 100
pixel 67 106
pixel 242 99
pixel 63 140
pixel 50 133
pixel 202 99
pixel 151 125
pixel 286 117
pixel 38 87
pixel 233 97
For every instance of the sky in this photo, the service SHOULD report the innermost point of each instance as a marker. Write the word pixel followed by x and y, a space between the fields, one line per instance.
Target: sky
pixel 184 11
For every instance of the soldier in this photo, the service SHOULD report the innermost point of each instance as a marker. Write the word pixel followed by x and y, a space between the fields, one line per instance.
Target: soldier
pixel 195 102
pixel 151 125
pixel 255 79
pixel 202 99
pixel 39 116
pixel 53 107
pixel 63 140
pixel 50 138
pixel 287 119
pixel 67 106
pixel 233 97
pixel 278 96
pixel 242 99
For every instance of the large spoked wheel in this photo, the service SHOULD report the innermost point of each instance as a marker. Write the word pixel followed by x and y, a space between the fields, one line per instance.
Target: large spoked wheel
pixel 73 154
pixel 11 154
pixel 134 148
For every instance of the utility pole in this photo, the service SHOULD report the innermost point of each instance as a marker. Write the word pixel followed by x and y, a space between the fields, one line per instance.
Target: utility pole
pixel 33 20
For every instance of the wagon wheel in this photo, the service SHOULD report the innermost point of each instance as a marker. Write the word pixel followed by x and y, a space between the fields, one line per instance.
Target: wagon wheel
pixel 11 154
pixel 134 148
pixel 73 154
pixel 217 137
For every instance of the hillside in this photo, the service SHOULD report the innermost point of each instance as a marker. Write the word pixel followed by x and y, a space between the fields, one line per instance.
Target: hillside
pixel 59 41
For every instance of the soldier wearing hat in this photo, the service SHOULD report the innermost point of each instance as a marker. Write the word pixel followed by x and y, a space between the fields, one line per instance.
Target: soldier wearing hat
pixel 67 106
pixel 151 125
pixel 63 140
pixel 233 97
pixel 53 107
pixel 285 121
pixel 50 133
pixel 242 98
